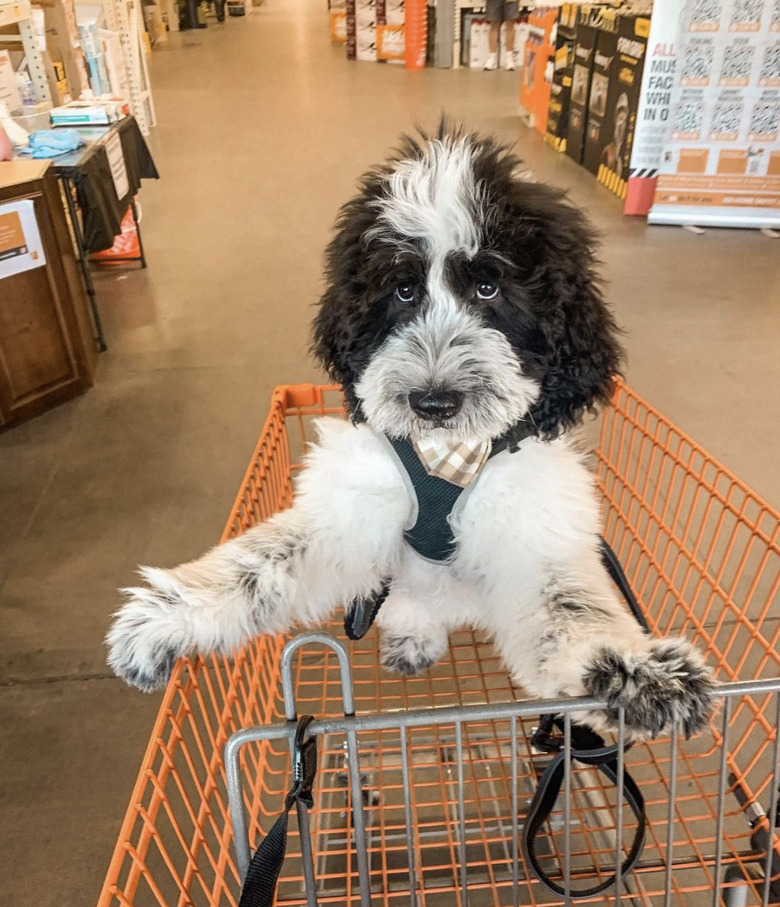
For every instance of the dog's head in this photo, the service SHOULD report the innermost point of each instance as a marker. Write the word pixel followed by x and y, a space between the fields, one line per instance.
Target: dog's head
pixel 463 298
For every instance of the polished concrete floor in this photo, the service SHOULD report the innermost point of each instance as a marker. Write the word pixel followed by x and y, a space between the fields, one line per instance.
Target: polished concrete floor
pixel 263 129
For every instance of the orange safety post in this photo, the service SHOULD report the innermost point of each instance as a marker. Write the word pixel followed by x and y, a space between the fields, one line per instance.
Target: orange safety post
pixel 416 33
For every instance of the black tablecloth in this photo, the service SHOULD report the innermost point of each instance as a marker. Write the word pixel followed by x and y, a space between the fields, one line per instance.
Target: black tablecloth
pixel 101 210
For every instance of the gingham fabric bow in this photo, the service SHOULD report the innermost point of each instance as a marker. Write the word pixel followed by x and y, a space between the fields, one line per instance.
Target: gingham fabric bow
pixel 458 463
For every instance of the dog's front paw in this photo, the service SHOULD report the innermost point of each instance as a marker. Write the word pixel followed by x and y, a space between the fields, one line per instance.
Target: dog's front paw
pixel 667 685
pixel 411 655
pixel 146 636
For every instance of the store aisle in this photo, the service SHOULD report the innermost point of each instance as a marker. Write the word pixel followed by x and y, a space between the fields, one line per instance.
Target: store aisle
pixel 263 129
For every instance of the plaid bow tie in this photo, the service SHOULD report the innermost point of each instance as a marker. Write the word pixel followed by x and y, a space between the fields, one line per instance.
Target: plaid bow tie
pixel 459 463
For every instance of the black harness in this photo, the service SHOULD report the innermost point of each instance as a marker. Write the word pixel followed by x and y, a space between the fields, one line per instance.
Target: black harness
pixel 431 537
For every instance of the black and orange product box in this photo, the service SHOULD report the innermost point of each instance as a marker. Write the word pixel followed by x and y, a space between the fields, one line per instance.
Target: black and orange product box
pixel 604 64
pixel 535 78
pixel 560 90
pixel 582 72
pixel 609 147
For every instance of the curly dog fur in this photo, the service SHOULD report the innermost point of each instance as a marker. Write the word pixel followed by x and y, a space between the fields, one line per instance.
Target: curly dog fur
pixel 463 303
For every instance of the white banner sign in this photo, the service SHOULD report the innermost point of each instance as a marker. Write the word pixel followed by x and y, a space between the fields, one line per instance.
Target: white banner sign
pixel 721 161
pixel 21 248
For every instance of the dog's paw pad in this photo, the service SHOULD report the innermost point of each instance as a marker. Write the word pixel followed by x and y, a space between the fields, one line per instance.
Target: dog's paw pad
pixel 142 641
pixel 669 684
pixel 409 655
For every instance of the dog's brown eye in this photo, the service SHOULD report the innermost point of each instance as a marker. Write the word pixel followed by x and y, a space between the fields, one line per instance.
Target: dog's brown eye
pixel 405 293
pixel 487 290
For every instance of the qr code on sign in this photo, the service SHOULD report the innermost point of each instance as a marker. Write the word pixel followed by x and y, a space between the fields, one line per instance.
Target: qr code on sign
pixel 737 61
pixel 725 120
pixel 688 118
pixel 770 66
pixel 765 119
pixel 698 60
pixel 705 12
pixel 747 12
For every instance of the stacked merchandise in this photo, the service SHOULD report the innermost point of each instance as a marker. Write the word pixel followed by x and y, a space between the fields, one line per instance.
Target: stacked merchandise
pixel 118 80
pixel 538 56
pixel 610 135
pixel 598 60
pixel 93 52
pixel 337 11
pixel 563 66
pixel 602 78
pixel 94 112
pixel 374 29
pixel 584 54
pixel 81 55
pixel 390 33
pixel 68 75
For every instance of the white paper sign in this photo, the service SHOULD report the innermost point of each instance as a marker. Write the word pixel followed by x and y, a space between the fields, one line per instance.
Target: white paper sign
pixel 9 91
pixel 21 248
pixel 116 161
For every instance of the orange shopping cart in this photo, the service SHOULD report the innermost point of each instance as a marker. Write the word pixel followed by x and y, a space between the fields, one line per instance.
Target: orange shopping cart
pixel 423 784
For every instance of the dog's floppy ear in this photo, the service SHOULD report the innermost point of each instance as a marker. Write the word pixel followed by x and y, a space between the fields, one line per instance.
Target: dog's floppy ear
pixel 579 354
pixel 346 329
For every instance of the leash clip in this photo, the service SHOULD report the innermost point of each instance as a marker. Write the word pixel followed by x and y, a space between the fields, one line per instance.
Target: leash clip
pixel 543 738
pixel 304 765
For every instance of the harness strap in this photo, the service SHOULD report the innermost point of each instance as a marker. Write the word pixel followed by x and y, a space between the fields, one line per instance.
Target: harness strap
pixel 266 864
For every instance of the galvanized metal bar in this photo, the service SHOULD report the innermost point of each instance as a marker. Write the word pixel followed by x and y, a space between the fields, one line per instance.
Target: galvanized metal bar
pixel 464 893
pixel 515 816
pixel 567 808
pixel 408 817
pixel 345 670
pixel 621 769
pixel 237 814
pixel 307 857
pixel 771 818
pixel 358 819
pixel 721 796
pixel 436 717
pixel 670 815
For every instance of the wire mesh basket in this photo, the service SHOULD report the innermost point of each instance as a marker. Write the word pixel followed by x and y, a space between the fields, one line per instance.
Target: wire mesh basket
pixel 421 796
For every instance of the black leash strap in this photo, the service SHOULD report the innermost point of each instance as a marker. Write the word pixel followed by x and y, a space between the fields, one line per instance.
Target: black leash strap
pixel 266 864
pixel 589 748
pixel 619 578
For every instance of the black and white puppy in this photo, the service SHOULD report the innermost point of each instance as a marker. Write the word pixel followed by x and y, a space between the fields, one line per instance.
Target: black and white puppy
pixel 463 306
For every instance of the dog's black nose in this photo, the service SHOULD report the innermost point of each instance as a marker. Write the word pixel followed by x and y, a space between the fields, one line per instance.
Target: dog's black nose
pixel 436 404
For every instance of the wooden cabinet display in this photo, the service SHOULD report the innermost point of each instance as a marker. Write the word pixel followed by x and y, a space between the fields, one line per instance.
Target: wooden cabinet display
pixel 47 347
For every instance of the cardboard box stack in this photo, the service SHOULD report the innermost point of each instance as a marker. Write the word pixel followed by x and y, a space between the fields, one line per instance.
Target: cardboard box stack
pixel 585 40
pixel 375 30
pixel 115 63
pixel 604 54
pixel 536 75
pixel 616 137
pixel 68 75
pixel 563 65
pixel 337 12
pixel 391 31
